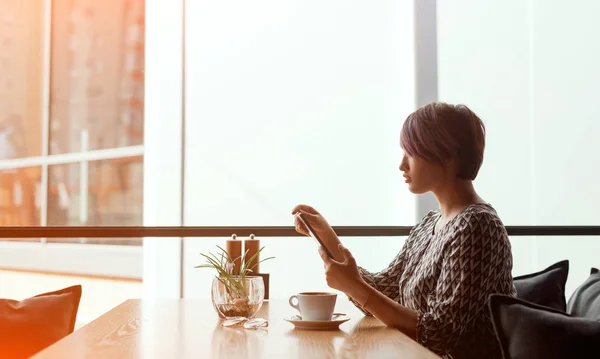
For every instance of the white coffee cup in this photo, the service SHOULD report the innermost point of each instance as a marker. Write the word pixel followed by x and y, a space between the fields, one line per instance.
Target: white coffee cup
pixel 314 305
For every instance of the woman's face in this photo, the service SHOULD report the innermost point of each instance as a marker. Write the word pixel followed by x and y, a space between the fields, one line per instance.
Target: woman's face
pixel 422 176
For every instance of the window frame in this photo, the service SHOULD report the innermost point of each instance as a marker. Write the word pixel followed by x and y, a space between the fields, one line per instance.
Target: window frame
pixel 67 258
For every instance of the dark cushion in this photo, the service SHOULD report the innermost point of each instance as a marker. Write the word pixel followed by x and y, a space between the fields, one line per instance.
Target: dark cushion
pixel 30 325
pixel 526 330
pixel 546 287
pixel 585 301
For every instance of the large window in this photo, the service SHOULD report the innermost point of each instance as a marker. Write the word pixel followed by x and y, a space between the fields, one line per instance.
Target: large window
pixel 71 145
pixel 534 83
pixel 71 113
pixel 296 102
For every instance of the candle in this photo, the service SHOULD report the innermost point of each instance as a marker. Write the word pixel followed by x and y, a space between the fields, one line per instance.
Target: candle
pixel 251 247
pixel 233 247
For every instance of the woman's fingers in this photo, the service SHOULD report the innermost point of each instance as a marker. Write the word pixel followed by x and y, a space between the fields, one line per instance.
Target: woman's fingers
pixel 312 220
pixel 348 257
pixel 300 228
pixel 304 208
pixel 328 261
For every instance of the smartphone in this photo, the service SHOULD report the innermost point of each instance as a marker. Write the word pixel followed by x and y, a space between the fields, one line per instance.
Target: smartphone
pixel 313 234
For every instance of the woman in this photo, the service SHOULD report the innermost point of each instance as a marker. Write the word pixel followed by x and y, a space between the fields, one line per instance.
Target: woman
pixel 436 289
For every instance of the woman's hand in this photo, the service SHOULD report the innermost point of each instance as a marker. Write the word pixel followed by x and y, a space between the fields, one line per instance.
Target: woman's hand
pixel 320 226
pixel 314 219
pixel 344 275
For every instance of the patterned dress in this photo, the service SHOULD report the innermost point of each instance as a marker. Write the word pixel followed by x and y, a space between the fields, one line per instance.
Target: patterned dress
pixel 447 278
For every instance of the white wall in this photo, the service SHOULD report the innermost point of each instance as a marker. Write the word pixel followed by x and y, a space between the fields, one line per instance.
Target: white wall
pixel 293 102
pixel 528 68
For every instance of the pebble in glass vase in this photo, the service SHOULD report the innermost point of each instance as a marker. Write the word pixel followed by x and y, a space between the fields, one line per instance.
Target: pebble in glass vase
pixel 237 296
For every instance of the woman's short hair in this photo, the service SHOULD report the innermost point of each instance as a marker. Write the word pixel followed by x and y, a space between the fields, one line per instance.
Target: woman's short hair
pixel 439 132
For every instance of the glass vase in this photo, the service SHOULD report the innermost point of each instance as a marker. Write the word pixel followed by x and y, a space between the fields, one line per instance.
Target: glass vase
pixel 237 296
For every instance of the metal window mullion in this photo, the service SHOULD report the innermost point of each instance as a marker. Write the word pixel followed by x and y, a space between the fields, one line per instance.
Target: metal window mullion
pixel 74 157
pixel 46 83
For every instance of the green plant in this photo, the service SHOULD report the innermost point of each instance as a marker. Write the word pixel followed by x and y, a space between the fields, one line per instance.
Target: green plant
pixel 223 263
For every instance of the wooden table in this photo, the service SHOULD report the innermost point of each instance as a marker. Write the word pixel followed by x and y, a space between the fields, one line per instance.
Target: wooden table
pixel 190 328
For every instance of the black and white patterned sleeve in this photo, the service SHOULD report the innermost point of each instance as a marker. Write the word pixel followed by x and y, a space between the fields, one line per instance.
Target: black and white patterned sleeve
pixel 474 261
pixel 385 281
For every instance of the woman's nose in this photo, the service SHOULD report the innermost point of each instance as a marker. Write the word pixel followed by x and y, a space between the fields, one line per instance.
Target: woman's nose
pixel 403 164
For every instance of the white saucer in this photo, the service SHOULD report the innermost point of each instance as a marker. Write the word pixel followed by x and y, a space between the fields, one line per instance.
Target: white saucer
pixel 317 324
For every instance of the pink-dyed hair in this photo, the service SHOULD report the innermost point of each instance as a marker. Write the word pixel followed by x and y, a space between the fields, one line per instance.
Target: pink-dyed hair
pixel 438 132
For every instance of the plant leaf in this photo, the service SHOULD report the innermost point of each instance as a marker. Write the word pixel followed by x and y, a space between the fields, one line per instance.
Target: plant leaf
pixel 215 264
pixel 204 266
pixel 266 259
pixel 249 262
pixel 235 284
pixel 224 252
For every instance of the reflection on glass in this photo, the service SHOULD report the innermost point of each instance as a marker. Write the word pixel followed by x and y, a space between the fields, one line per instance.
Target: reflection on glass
pixel 20 198
pixel 20 78
pixel 98 193
pixel 97 79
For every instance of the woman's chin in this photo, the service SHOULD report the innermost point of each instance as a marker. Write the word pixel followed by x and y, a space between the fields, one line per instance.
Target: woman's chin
pixel 415 189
